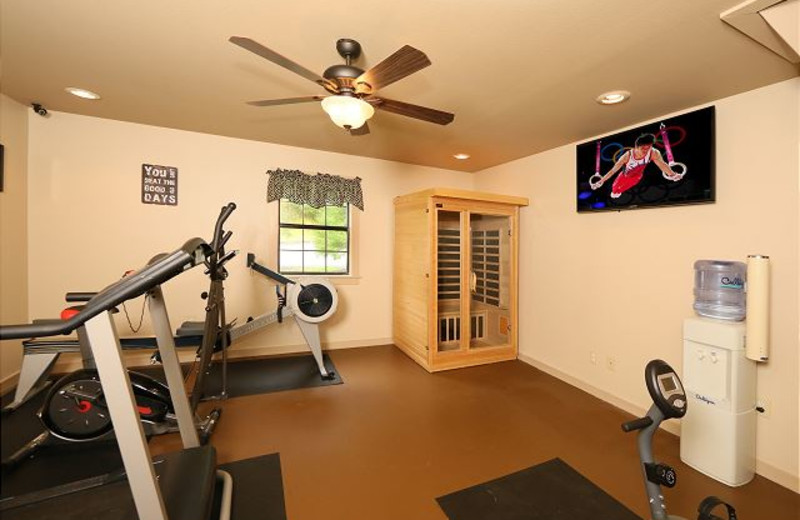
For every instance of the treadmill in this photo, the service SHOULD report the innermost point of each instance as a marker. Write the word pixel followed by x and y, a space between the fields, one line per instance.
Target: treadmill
pixel 184 485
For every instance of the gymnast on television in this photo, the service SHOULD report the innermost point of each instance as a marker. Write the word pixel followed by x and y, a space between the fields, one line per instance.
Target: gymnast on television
pixel 635 161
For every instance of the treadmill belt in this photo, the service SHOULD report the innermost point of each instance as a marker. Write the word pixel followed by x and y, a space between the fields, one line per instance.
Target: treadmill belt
pixel 548 491
pixel 265 375
pixel 257 488
pixel 186 479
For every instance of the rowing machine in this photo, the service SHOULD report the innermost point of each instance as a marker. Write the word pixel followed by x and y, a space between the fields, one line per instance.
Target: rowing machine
pixel 311 300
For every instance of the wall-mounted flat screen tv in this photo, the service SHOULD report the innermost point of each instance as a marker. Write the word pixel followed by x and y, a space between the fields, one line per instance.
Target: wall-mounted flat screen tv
pixel 664 163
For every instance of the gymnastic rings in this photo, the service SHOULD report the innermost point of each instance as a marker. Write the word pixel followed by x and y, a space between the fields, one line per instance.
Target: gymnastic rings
pixel 681 136
pixel 594 181
pixel 678 174
pixel 611 158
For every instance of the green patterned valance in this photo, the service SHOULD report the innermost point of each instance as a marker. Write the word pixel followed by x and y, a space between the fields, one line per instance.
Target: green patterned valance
pixel 317 190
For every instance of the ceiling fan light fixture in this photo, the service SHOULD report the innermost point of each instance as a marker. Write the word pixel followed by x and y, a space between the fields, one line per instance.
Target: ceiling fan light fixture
pixel 347 111
pixel 82 93
pixel 613 97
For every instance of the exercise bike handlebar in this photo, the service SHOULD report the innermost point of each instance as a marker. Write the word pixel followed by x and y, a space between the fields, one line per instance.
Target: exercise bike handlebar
pixel 637 424
pixel 158 271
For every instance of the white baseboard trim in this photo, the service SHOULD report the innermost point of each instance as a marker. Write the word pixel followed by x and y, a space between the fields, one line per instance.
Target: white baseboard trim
pixel 777 475
pixel 635 410
pixel 764 469
pixel 9 382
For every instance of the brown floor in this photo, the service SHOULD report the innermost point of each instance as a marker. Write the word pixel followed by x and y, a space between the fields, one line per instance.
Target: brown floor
pixel 392 438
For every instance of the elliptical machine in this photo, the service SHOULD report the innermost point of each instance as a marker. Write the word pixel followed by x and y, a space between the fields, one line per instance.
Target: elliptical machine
pixel 669 401
pixel 40 355
pixel 75 408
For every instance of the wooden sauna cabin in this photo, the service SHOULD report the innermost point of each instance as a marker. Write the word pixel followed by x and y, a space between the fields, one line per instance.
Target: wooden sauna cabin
pixel 456 277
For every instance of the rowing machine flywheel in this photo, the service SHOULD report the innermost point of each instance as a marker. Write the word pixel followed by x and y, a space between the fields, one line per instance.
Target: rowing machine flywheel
pixel 313 300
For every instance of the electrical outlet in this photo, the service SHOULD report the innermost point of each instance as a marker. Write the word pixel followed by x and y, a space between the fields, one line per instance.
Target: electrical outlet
pixel 611 363
pixel 765 404
pixel 593 357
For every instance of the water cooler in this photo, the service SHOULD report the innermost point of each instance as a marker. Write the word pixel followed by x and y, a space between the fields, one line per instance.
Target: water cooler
pixel 718 432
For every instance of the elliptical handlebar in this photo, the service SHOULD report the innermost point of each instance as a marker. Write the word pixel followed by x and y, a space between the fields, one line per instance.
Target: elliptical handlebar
pixel 226 257
pixel 220 237
pixel 225 238
pixel 215 261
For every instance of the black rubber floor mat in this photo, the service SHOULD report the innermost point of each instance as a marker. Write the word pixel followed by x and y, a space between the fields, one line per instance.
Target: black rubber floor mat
pixel 265 375
pixel 257 488
pixel 548 491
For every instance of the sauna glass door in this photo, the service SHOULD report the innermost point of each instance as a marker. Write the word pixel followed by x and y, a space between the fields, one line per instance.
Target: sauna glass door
pixel 449 285
pixel 490 280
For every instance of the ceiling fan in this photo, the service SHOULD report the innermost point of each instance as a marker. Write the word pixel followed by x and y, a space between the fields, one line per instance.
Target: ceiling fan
pixel 352 100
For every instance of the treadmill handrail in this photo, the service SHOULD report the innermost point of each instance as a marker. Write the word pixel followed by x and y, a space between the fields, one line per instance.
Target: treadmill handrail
pixel 193 252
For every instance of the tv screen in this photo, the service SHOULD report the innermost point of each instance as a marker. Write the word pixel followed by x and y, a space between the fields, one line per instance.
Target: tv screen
pixel 664 163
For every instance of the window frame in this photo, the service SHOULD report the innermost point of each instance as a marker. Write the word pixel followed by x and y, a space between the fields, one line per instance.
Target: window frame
pixel 348 229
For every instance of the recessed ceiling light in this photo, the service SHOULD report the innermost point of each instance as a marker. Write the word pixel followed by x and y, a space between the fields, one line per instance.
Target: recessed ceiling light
pixel 461 156
pixel 82 93
pixel 613 97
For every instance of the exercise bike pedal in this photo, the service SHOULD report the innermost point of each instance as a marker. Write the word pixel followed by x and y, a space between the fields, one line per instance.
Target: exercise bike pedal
pixel 25 452
pixel 707 506
pixel 661 474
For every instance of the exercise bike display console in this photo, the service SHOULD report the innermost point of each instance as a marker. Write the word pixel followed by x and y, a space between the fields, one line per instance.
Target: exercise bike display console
pixel 665 389
pixel 669 402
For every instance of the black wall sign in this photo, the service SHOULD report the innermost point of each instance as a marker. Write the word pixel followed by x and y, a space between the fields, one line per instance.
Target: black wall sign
pixel 159 185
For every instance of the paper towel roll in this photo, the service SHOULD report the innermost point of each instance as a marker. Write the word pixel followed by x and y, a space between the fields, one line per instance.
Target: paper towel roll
pixel 757 342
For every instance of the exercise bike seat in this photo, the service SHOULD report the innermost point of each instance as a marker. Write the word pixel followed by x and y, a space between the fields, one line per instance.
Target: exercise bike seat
pixel 187 479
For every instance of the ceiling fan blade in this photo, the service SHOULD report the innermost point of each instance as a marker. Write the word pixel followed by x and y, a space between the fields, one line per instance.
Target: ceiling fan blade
pixel 418 112
pixel 274 57
pixel 361 130
pixel 402 63
pixel 285 101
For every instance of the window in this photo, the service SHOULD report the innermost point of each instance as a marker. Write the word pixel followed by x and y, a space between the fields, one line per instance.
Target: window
pixel 313 240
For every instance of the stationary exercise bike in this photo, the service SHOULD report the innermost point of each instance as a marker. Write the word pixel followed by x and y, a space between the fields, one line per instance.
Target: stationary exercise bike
pixel 669 401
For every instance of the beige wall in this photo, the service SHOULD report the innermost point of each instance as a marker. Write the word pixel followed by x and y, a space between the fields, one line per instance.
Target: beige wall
pixel 13 227
pixel 620 284
pixel 87 224
pixel 624 277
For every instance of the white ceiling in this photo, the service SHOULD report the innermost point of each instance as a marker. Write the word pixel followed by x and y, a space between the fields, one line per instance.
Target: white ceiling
pixel 520 75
